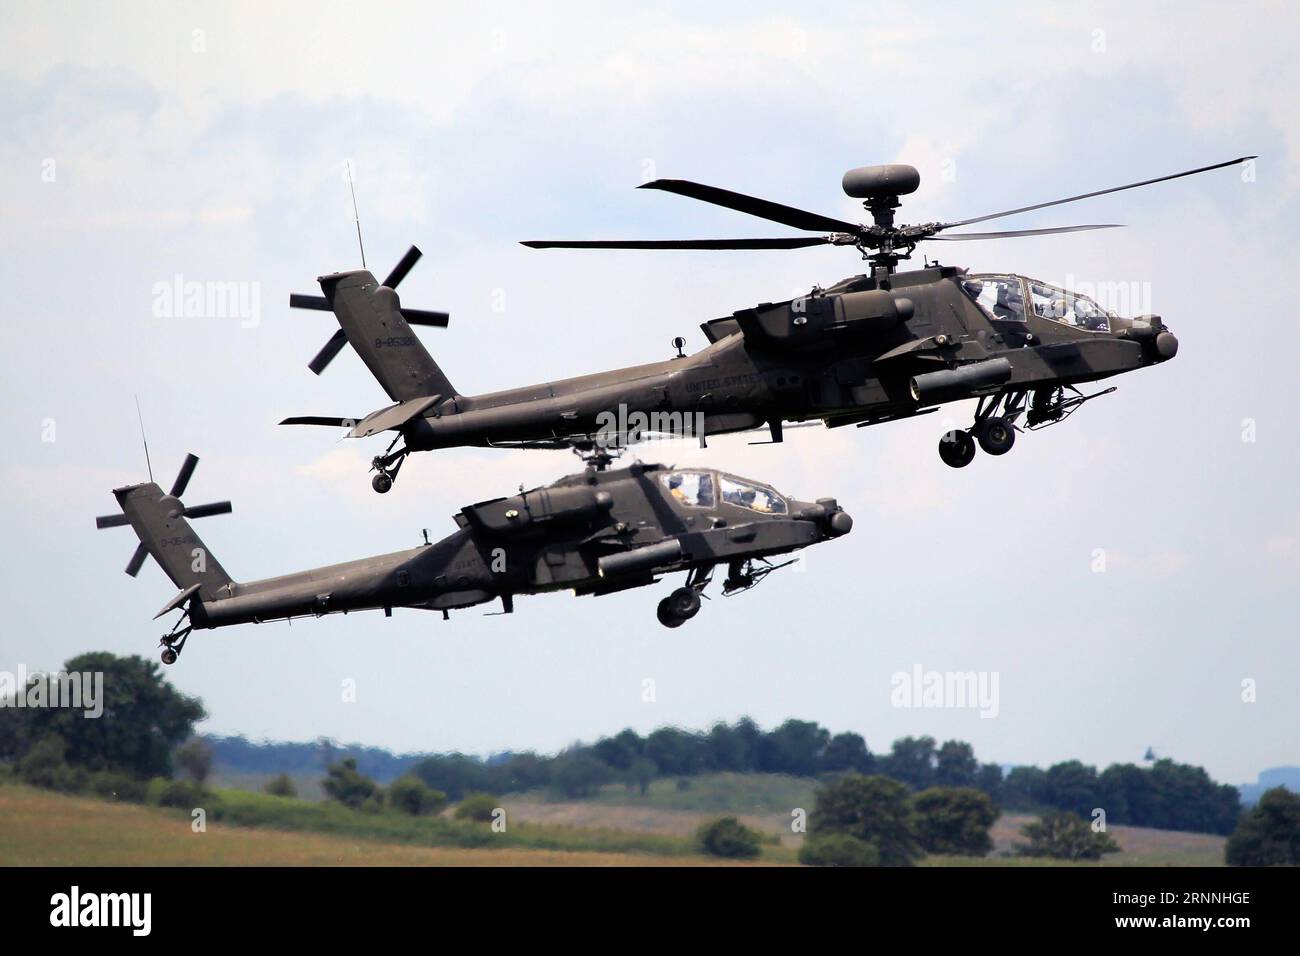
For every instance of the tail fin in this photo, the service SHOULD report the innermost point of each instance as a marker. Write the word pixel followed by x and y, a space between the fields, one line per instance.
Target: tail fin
pixel 371 316
pixel 158 519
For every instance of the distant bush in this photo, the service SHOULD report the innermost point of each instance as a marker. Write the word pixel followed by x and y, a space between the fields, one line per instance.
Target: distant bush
pixel 44 766
pixel 281 786
pixel 350 787
pixel 185 795
pixel 954 820
pixel 1064 836
pixel 477 806
pixel 410 795
pixel 118 786
pixel 1269 833
pixel 834 849
pixel 729 838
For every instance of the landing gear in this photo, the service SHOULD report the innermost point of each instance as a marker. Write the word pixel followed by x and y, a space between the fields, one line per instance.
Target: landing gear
pixel 957 449
pixel 684 603
pixel 386 467
pixel 174 643
pixel 994 430
pixel 997 436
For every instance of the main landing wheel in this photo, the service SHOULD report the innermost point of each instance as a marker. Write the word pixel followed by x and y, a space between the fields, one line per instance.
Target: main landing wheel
pixel 382 483
pixel 957 448
pixel 685 603
pixel 997 436
pixel 169 656
pixel 666 616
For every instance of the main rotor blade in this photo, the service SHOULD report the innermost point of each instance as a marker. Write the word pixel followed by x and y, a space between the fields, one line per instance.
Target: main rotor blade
pixel 1099 192
pixel 318 302
pixel 762 208
pixel 184 475
pixel 137 559
pixel 331 349
pixel 400 270
pixel 423 317
pixel 204 511
pixel 321 420
pixel 794 242
pixel 111 521
pixel 1012 233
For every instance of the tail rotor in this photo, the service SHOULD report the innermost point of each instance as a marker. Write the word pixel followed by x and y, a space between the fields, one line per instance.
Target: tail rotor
pixel 321 303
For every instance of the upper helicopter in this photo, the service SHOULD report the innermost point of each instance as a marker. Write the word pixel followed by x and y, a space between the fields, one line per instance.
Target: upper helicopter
pixel 871 348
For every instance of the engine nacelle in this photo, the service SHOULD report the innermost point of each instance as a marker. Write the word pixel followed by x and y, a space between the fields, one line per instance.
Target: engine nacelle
pixel 817 320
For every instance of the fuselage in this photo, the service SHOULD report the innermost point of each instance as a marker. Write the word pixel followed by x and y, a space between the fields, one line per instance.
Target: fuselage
pixel 763 365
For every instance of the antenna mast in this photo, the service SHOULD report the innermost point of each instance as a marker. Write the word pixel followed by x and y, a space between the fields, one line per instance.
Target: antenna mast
pixel 140 417
pixel 356 217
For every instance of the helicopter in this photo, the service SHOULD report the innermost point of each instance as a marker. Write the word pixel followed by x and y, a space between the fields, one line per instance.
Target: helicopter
pixel 869 349
pixel 594 533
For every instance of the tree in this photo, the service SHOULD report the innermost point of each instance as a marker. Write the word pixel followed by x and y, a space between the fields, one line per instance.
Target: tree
pixel 410 795
pixel 1024 788
pixel 1064 836
pixel 281 786
pixel 796 747
pixel 847 751
pixel 1269 833
pixel 955 765
pixel 954 820
pixel 144 717
pixel 577 774
pixel 989 779
pixel 874 810
pixel 349 786
pixel 836 849
pixel 911 760
pixel 195 758
pixel 729 838
pixel 642 771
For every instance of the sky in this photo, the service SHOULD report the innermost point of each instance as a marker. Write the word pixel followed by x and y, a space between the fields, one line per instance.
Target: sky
pixel 1124 575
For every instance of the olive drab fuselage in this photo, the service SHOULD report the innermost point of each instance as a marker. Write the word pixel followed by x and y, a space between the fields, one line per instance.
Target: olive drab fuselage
pixel 846 354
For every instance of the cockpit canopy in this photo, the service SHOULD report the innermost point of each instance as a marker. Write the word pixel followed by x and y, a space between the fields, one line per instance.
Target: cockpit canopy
pixel 1003 299
pixel 696 488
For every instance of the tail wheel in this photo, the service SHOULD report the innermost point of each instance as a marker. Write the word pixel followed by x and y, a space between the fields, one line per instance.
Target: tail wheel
pixel 997 436
pixel 169 656
pixel 957 448
pixel 382 483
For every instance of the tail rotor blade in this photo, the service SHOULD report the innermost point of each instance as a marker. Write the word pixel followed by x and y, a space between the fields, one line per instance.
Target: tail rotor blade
pixel 299 301
pixel 424 317
pixel 400 270
pixel 331 349
pixel 137 560
pixel 184 475
pixel 204 511
pixel 111 521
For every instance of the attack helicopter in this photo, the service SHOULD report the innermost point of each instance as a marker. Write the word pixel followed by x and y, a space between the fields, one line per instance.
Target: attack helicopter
pixel 593 533
pixel 869 349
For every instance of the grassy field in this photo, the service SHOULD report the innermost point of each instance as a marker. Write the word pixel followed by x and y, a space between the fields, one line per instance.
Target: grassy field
pixel 38 827
pixel 616 828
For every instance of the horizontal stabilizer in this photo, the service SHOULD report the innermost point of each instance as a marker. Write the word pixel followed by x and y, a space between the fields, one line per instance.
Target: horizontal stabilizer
pixel 394 416
pixel 179 600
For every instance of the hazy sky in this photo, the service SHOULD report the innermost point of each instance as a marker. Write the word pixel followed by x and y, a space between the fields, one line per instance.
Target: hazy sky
pixel 142 142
